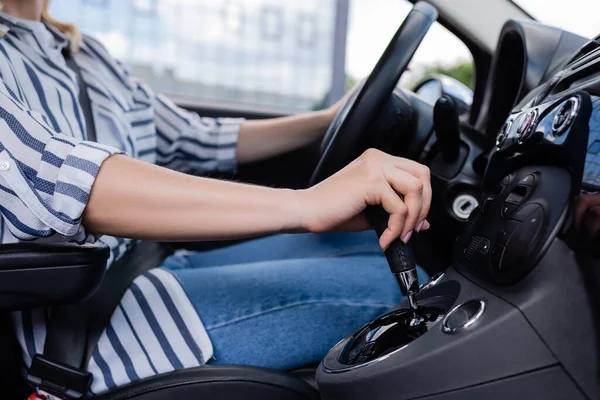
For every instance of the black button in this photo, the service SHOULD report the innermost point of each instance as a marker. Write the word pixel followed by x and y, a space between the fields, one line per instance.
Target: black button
pixel 515 198
pixel 524 212
pixel 496 256
pixel 489 203
pixel 529 180
pixel 483 246
pixel 504 235
pixel 508 208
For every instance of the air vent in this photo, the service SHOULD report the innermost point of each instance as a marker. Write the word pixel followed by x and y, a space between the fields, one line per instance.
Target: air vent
pixel 587 48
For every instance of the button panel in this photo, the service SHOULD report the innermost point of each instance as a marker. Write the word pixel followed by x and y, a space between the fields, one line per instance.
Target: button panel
pixel 496 256
pixel 484 246
pixel 508 209
pixel 501 243
pixel 529 180
pixel 506 233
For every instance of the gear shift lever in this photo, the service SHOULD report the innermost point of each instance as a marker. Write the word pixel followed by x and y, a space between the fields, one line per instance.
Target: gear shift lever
pixel 399 256
pixel 446 125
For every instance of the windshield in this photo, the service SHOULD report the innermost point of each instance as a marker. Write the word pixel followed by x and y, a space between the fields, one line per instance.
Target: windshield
pixel 580 16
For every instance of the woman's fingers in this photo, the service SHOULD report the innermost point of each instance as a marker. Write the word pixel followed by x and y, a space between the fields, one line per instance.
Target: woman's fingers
pixel 412 190
pixel 397 210
pixel 422 173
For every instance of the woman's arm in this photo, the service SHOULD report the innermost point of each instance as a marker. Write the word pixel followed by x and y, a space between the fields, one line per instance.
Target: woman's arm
pixel 261 139
pixel 134 199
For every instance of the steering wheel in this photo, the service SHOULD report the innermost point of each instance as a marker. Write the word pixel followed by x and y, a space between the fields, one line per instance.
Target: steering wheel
pixel 344 139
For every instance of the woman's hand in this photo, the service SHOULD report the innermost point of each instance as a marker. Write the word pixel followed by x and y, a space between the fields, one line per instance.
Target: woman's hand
pixel 332 111
pixel 261 139
pixel 586 224
pixel 375 178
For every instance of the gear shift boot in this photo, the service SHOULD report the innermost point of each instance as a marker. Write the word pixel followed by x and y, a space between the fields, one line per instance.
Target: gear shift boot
pixel 388 334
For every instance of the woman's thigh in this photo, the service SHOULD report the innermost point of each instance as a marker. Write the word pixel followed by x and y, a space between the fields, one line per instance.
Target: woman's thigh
pixel 288 313
pixel 281 247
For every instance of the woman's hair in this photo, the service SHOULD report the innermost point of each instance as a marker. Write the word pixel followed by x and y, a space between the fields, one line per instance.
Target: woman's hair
pixel 70 30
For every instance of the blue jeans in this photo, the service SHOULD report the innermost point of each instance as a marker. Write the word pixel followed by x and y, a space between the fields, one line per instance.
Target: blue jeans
pixel 283 301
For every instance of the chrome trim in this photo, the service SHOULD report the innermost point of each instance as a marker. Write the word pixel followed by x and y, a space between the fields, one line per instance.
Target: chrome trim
pixel 341 345
pixel 504 132
pixel 352 367
pixel 461 200
pixel 469 323
pixel 527 125
pixel 559 128
pixel 432 282
pixel 408 281
pixel 412 302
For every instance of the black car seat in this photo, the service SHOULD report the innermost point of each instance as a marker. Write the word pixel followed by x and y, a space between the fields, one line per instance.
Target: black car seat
pixel 63 277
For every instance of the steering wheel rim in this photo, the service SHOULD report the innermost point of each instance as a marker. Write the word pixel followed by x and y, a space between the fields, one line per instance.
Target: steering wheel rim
pixel 341 141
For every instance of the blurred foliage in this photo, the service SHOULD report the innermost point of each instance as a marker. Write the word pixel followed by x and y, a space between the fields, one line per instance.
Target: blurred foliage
pixel 463 72
pixel 350 82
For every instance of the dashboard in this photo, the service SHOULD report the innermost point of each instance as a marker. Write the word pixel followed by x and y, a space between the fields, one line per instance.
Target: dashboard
pixel 560 121
pixel 534 78
pixel 528 54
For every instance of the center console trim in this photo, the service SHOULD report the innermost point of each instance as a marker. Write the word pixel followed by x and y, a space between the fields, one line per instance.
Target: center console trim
pixel 468 324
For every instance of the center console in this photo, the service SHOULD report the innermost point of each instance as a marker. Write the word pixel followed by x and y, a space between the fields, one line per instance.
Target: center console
pixel 512 317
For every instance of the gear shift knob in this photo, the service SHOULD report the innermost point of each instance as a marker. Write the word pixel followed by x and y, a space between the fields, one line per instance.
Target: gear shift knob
pixel 399 256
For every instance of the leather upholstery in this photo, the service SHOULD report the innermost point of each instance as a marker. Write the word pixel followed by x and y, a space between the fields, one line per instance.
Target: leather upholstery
pixel 216 382
pixel 25 270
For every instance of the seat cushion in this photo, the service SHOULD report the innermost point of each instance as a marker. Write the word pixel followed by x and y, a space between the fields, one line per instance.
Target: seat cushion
pixel 216 382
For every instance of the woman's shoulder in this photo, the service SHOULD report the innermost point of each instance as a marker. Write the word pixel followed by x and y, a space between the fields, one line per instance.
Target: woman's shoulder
pixel 97 51
pixel 92 45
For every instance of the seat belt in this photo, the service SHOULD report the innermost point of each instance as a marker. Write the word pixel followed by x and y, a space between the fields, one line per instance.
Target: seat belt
pixel 73 331
pixel 84 99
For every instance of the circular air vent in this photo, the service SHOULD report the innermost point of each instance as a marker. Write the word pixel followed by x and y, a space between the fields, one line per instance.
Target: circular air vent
pixel 565 116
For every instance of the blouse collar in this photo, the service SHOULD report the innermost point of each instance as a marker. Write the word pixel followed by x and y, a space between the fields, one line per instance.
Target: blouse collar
pixel 9 22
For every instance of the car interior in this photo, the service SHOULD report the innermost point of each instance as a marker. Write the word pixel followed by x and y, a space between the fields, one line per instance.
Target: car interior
pixel 511 308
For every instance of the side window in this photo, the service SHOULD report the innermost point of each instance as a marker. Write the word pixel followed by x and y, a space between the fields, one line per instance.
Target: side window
pixel 293 55
pixel 267 53
pixel 372 24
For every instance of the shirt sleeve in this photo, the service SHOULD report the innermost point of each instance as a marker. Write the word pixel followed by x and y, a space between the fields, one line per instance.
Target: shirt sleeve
pixel 45 176
pixel 185 141
pixel 188 142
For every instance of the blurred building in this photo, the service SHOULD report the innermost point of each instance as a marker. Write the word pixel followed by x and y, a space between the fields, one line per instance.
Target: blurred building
pixel 284 54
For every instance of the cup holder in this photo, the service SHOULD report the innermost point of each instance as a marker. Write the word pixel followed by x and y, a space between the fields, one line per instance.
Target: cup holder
pixel 388 334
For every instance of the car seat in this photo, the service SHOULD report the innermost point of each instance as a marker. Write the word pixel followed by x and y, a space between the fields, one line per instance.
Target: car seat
pixel 58 276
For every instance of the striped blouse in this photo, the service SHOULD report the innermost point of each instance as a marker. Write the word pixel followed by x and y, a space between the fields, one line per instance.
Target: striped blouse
pixel 47 169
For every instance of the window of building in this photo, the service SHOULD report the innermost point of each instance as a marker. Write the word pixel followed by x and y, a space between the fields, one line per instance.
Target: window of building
pixel 267 53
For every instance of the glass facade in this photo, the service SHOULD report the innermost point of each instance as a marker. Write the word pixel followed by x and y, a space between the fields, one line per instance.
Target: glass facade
pixel 260 52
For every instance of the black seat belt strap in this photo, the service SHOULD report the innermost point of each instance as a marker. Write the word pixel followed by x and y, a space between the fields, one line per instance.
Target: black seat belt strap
pixel 73 332
pixel 60 371
pixel 66 340
pixel 84 98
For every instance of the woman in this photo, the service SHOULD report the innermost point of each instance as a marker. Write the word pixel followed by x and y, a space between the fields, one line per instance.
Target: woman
pixel 278 302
